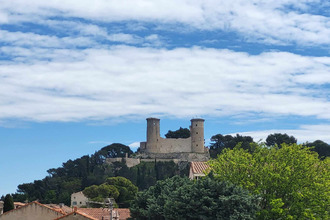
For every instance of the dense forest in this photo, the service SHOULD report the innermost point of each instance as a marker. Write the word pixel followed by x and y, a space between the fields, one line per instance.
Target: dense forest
pixel 76 175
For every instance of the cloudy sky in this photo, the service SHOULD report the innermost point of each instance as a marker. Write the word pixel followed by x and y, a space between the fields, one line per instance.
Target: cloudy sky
pixel 78 75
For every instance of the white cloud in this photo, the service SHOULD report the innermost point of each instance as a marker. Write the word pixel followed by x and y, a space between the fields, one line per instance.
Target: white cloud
pixel 256 20
pixel 306 133
pixel 74 85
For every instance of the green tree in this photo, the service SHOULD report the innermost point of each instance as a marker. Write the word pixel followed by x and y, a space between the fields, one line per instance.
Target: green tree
pixel 8 203
pixel 127 190
pixel 292 182
pixel 322 148
pixel 278 139
pixel 181 198
pixel 180 133
pixel 220 142
pixel 119 188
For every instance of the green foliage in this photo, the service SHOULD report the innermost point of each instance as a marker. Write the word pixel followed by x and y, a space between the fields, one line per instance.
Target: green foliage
pixel 322 148
pixel 180 133
pixel 220 142
pixel 278 139
pixel 73 176
pixel 8 203
pixel 292 182
pixel 119 188
pixel 181 198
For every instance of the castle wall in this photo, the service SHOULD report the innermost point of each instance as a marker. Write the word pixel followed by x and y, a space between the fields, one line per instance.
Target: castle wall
pixel 173 145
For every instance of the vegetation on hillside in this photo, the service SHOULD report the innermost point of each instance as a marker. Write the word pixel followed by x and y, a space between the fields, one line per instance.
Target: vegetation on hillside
pixel 76 175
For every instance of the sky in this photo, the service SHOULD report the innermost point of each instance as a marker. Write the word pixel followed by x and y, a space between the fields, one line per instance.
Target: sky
pixel 76 76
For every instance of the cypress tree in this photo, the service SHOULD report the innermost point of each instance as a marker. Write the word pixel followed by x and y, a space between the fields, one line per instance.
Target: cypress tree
pixel 8 203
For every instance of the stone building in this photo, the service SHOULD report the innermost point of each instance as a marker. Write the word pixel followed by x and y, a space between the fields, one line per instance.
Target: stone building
pixel 188 149
pixel 78 199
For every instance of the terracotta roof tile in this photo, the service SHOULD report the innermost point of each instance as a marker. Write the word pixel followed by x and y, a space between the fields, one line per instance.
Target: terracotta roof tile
pixel 199 167
pixel 104 213
pixel 77 213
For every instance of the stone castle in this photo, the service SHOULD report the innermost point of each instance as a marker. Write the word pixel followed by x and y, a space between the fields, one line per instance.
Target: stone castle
pixel 190 149
pixel 169 149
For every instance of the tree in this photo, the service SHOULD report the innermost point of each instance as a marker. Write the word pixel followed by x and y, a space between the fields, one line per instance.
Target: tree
pixel 119 188
pixel 180 133
pixel 220 142
pixel 8 203
pixel 181 198
pixel 322 148
pixel 127 190
pixel 292 182
pixel 278 139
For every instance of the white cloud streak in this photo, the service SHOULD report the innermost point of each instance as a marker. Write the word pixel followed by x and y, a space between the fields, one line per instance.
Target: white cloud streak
pixel 76 85
pixel 256 20
pixel 306 133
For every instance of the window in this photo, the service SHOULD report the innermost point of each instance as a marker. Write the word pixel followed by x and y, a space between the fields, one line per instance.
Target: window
pixel 196 132
pixel 74 203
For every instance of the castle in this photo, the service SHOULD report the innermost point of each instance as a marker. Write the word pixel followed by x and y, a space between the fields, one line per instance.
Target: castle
pixel 169 149
pixel 190 149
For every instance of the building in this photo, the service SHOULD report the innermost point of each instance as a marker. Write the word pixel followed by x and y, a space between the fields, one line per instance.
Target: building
pixel 78 199
pixel 32 211
pixel 1 207
pixel 197 170
pixel 37 211
pixel 188 149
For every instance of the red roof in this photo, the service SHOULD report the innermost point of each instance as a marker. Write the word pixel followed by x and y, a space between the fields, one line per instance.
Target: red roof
pixel 104 213
pixel 76 213
pixel 199 167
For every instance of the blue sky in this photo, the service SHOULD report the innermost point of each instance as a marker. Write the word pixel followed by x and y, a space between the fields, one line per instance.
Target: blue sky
pixel 78 75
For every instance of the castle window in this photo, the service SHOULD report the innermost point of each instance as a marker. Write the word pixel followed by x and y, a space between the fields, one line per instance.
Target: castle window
pixel 196 125
pixel 196 132
pixel 196 145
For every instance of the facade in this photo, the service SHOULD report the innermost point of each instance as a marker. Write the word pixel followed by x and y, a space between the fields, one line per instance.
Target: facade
pixel 78 199
pixel 1 207
pixel 189 149
pixel 197 170
pixel 32 211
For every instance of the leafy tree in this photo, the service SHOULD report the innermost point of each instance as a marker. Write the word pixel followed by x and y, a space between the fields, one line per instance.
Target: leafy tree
pixel 8 203
pixel 127 190
pixel 181 198
pixel 292 182
pixel 180 133
pixel 119 188
pixel 278 139
pixel 322 148
pixel 220 142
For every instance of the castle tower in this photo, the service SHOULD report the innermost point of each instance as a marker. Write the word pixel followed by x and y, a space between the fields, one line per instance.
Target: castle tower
pixel 197 135
pixel 153 135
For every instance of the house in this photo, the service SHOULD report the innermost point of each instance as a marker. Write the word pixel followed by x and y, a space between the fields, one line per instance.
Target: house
pixel 32 211
pixel 198 169
pixel 38 211
pixel 1 207
pixel 78 199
